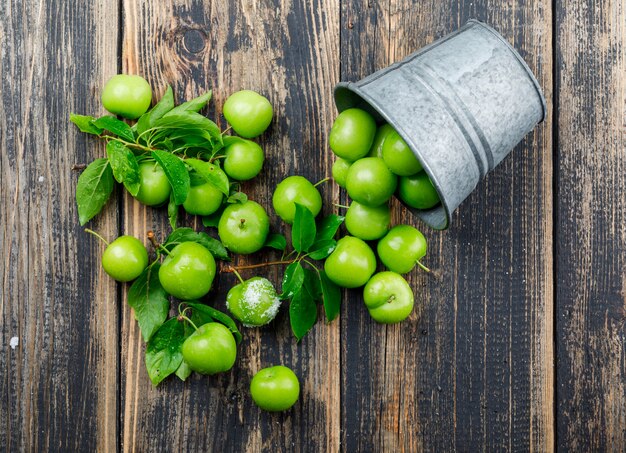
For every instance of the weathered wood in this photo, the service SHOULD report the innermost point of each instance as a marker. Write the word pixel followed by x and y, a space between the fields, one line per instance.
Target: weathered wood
pixel 289 52
pixel 591 232
pixel 472 368
pixel 59 385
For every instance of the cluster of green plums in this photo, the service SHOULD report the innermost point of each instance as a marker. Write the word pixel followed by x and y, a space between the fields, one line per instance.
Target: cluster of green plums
pixel 188 270
pixel 373 163
pixel 249 114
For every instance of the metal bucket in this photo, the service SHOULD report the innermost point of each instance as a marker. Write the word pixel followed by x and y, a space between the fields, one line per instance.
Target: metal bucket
pixel 462 104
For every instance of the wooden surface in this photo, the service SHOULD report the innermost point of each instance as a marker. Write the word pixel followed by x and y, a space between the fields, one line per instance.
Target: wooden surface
pixel 520 345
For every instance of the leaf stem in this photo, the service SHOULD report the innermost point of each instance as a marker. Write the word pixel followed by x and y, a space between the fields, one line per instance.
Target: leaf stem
pixel 129 144
pixel 87 230
pixel 321 181
pixel 233 269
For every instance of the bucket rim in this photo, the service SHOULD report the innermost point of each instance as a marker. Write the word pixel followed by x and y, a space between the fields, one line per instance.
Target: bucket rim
pixel 353 90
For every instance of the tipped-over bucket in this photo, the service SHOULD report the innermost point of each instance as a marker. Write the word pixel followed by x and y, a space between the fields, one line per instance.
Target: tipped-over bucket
pixel 461 104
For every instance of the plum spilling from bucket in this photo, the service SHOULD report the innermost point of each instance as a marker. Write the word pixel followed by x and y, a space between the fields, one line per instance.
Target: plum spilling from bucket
pixel 374 162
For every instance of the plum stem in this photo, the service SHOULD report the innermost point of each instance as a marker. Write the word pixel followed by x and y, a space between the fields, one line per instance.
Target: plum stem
pixel 155 243
pixel 435 274
pixel 341 206
pixel 87 230
pixel 182 317
pixel 322 181
pixel 238 275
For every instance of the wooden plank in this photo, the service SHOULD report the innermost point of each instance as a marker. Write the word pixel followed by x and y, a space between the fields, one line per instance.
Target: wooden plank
pixel 289 52
pixel 472 368
pixel 59 384
pixel 591 255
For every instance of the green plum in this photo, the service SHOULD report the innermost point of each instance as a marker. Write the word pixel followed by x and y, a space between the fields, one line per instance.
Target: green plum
pixel 402 248
pixel 382 133
pixel 244 160
pixel 418 191
pixel 248 112
pixel 275 388
pixel 243 227
pixel 368 223
pixel 253 302
pixel 127 95
pixel 340 171
pixel 211 349
pixel 388 298
pixel 154 187
pixel 295 189
pixel 399 157
pixel 351 264
pixel 352 134
pixel 204 199
pixel 125 258
pixel 188 271
pixel 370 182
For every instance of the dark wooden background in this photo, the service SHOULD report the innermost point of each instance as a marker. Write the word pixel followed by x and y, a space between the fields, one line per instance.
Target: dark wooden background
pixel 519 346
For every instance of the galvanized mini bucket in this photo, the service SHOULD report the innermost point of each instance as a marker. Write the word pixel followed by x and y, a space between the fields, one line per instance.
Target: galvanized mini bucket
pixel 461 103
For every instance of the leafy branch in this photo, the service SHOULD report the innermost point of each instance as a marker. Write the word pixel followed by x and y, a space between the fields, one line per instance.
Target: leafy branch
pixel 304 284
pixel 177 138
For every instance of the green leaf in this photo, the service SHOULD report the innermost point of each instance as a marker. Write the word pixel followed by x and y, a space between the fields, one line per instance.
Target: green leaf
pixel 217 316
pixel 276 241
pixel 332 297
pixel 303 229
pixel 302 314
pixel 172 212
pixel 321 249
pixel 237 197
pixel 149 300
pixel 194 105
pixel 164 350
pixel 176 172
pixel 213 220
pixel 183 371
pixel 124 165
pixel 328 226
pixel 180 235
pixel 312 284
pixel 85 124
pixel 187 120
pixel 210 173
pixel 93 190
pixel 147 120
pixel 118 127
pixel 292 280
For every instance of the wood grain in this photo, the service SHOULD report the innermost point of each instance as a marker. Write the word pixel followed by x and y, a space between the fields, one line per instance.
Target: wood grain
pixel 472 368
pixel 59 385
pixel 591 250
pixel 289 52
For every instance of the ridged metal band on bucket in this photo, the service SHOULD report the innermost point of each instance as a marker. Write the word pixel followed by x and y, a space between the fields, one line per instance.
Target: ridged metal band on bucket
pixel 462 104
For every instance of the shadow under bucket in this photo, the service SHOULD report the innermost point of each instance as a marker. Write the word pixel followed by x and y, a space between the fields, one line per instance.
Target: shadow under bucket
pixel 461 104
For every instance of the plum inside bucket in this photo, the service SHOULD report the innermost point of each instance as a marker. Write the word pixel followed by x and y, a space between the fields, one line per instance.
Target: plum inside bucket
pixel 461 104
pixel 345 98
